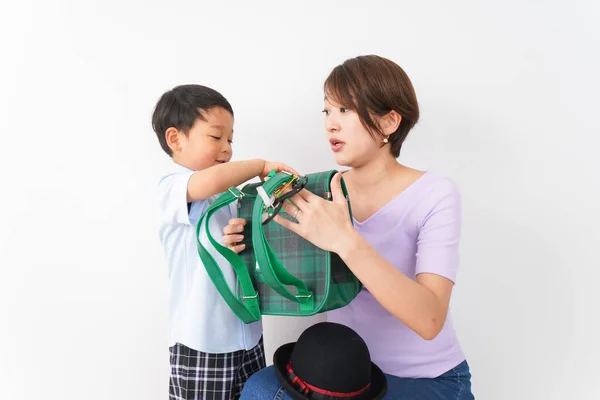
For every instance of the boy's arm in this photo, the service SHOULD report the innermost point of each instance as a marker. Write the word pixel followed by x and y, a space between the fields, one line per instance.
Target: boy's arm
pixel 217 179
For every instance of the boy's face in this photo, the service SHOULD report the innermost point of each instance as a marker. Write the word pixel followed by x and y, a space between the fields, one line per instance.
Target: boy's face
pixel 208 142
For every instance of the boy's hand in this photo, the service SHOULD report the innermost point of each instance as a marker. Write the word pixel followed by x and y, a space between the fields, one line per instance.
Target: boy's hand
pixel 277 166
pixel 232 234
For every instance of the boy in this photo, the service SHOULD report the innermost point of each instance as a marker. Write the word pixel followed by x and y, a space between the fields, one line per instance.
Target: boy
pixel 212 352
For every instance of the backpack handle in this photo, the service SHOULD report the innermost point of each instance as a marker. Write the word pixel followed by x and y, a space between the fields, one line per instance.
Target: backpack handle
pixel 247 309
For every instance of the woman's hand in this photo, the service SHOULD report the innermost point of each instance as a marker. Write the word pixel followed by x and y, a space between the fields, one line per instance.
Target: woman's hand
pixel 232 234
pixel 324 223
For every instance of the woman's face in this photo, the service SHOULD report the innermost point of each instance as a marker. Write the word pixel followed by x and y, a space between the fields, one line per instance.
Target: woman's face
pixel 351 143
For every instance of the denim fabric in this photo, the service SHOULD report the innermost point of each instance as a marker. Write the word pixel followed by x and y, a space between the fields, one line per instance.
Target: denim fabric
pixel 452 385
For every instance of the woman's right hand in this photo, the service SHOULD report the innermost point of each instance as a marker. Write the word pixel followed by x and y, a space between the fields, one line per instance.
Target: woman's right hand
pixel 232 234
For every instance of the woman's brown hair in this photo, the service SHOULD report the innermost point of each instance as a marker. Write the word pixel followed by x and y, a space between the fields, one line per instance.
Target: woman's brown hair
pixel 373 86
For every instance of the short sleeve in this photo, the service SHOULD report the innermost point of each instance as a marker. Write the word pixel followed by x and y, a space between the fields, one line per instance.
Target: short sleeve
pixel 172 200
pixel 439 233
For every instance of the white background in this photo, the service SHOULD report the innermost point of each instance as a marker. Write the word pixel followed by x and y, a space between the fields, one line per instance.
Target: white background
pixel 509 92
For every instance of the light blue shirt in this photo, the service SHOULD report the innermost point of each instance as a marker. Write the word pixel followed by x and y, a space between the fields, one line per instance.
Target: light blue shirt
pixel 199 318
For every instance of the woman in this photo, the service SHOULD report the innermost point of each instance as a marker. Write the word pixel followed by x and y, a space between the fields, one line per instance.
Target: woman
pixel 403 245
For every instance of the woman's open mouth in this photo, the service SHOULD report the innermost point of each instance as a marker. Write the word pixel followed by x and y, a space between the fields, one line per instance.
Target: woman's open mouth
pixel 336 145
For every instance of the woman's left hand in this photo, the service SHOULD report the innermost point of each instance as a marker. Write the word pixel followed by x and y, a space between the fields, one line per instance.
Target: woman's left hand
pixel 324 223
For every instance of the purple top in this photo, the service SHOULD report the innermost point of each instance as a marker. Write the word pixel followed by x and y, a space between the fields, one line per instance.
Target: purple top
pixel 418 231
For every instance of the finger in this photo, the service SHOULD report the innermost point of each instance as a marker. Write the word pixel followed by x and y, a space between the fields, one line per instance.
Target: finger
pixel 237 221
pixel 289 169
pixel 305 195
pixel 292 210
pixel 238 248
pixel 298 201
pixel 232 229
pixel 337 194
pixel 232 239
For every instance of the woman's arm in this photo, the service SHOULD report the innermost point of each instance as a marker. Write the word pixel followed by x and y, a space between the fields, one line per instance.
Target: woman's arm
pixel 422 304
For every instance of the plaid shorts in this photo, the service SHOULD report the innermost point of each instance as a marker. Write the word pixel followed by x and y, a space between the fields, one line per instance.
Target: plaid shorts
pixel 203 376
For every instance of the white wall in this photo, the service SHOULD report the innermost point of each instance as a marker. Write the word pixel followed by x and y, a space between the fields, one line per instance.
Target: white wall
pixel 509 97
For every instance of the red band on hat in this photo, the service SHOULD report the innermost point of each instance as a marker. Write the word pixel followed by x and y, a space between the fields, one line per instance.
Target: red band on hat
pixel 306 388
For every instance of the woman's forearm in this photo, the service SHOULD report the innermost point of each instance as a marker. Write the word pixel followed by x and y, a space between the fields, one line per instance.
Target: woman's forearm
pixel 412 303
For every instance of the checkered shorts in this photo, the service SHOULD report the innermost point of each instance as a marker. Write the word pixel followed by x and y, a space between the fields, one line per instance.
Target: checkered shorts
pixel 203 376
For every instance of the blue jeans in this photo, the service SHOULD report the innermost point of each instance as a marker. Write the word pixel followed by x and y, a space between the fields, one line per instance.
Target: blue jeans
pixel 452 385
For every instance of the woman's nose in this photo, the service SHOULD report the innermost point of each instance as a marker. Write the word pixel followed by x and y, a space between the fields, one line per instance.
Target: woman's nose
pixel 331 124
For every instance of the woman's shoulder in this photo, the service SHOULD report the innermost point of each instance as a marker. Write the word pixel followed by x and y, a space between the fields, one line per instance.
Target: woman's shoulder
pixel 438 183
pixel 434 191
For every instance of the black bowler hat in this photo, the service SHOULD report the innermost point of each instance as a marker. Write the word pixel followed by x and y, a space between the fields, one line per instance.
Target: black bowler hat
pixel 329 361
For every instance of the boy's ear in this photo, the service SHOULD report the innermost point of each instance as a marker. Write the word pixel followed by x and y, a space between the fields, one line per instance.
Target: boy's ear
pixel 173 139
pixel 390 122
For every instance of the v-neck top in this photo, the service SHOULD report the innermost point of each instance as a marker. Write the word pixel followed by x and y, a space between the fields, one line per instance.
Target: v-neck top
pixel 390 204
pixel 418 231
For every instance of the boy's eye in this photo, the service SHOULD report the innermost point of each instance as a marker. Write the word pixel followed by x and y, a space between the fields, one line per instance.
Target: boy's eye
pixel 230 141
pixel 215 137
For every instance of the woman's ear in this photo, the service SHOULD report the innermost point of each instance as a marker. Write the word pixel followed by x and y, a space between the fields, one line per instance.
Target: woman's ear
pixel 172 137
pixel 390 122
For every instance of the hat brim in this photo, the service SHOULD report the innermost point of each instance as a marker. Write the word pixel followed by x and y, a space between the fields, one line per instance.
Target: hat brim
pixel 282 357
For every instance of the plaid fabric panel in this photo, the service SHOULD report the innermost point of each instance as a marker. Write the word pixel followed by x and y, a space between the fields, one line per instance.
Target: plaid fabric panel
pixel 202 376
pixel 340 273
pixel 301 258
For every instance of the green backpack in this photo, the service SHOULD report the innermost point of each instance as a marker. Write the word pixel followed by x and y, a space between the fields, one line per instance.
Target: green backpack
pixel 279 272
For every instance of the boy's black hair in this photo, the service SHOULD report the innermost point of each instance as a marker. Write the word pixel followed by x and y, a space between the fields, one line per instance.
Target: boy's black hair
pixel 181 106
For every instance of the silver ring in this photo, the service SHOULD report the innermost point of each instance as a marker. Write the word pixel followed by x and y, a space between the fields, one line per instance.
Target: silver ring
pixel 296 213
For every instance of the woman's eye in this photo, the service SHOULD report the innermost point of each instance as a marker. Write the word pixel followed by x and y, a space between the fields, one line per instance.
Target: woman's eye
pixel 230 141
pixel 344 110
pixel 326 112
pixel 215 137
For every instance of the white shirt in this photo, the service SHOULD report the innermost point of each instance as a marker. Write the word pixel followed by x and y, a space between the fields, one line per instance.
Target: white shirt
pixel 199 318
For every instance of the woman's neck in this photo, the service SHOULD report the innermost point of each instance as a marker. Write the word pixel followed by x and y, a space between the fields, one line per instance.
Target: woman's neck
pixel 375 172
